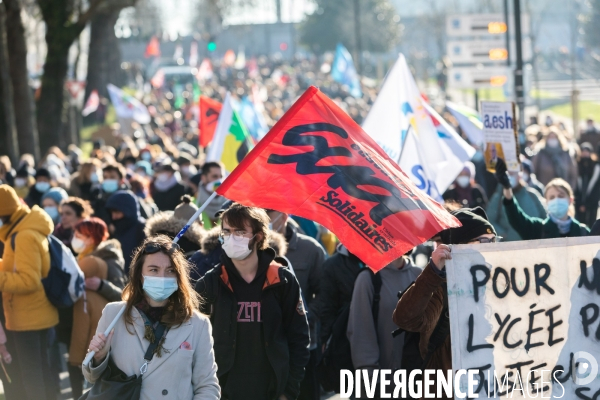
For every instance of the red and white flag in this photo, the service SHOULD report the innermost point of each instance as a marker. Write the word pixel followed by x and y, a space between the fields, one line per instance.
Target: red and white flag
pixel 92 103
pixel 317 163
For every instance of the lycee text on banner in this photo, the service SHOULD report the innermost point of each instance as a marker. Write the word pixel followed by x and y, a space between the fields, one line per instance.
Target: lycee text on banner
pixel 526 316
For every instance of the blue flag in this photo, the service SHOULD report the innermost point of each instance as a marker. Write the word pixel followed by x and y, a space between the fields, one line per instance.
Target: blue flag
pixel 343 71
pixel 254 120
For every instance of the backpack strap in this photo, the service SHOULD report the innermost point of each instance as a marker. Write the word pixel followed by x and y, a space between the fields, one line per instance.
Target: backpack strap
pixel 376 282
pixel 13 239
pixel 439 335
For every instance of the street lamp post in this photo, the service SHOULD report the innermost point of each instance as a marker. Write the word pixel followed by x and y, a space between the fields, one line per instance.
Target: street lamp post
pixel 519 88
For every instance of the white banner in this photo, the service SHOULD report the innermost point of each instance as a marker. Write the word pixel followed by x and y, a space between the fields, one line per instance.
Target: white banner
pixel 524 313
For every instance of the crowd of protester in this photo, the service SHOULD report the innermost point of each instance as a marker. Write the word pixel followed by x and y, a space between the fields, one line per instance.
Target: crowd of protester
pixel 257 304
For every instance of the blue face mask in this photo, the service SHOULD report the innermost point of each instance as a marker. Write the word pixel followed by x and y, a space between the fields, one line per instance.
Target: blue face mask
pixel 42 187
pixel 52 212
pixel 158 288
pixel 558 207
pixel 110 185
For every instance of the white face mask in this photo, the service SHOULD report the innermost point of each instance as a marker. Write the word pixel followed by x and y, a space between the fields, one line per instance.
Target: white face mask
pixel 237 249
pixel 463 181
pixel 78 245
pixel 552 142
pixel 20 182
pixel 163 177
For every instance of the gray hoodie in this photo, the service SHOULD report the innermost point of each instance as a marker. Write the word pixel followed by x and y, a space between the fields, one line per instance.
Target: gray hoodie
pixel 374 347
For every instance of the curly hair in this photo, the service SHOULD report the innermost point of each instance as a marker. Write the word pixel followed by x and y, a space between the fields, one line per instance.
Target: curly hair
pixel 181 305
pixel 82 207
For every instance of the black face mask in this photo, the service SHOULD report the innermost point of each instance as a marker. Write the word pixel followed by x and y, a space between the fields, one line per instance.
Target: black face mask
pixel 122 224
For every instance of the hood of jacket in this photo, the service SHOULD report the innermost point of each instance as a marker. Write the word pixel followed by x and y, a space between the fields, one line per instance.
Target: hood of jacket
pixel 165 221
pixel 126 202
pixel 35 219
pixel 211 240
pixel 109 249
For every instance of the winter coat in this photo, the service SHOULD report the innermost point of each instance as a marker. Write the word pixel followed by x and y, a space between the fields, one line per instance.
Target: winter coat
pixel 186 371
pixel 419 310
pixel 82 190
pixel 165 223
pixel 285 328
pixel 110 252
pixel 167 201
pixel 208 257
pixel 550 164
pixel 529 200
pixel 338 274
pixel 595 229
pixel 372 345
pixel 129 230
pixel 531 228
pixel 98 202
pixel 34 197
pixel 26 306
pixel 306 256
pixel 587 192
pixel 87 311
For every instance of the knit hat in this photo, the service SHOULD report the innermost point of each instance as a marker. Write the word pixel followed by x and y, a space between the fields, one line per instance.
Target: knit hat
pixel 43 172
pixel 57 194
pixel 186 209
pixel 9 201
pixel 474 224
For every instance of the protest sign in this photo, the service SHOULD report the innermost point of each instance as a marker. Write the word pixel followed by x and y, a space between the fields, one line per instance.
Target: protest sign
pixel 527 313
pixel 500 133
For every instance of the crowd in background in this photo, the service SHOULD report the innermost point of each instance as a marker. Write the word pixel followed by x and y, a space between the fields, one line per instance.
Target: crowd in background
pixel 142 181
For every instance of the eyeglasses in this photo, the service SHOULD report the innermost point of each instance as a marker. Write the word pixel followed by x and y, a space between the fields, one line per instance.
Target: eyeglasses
pixel 152 248
pixel 482 240
pixel 238 236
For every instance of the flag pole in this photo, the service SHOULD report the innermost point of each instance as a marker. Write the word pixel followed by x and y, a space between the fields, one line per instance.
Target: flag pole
pixel 404 144
pixel 194 217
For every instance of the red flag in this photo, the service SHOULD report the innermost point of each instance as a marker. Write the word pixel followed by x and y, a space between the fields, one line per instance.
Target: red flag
pixel 317 163
pixel 209 114
pixel 153 48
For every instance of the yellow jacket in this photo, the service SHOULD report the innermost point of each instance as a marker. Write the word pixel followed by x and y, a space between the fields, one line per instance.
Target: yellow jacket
pixel 26 306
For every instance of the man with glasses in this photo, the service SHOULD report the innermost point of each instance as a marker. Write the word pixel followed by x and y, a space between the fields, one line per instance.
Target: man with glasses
pixel 259 322
pixel 307 256
pixel 423 307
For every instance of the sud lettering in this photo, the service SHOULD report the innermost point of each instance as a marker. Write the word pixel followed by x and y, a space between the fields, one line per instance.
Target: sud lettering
pixel 349 178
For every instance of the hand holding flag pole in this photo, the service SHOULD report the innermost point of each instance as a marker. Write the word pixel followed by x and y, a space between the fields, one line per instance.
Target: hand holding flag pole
pixel 194 217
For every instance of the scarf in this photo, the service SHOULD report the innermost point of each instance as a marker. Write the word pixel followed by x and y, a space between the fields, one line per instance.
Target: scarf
pixel 564 227
pixel 152 317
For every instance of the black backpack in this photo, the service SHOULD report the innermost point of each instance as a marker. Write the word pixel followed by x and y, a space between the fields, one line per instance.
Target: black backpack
pixel 411 355
pixel 337 354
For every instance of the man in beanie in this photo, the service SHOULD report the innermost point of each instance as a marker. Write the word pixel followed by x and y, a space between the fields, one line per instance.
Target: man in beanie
pixel 43 183
pixel 423 308
pixel 29 314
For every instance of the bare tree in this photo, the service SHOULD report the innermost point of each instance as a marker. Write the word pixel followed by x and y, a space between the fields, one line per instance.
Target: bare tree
pixel 8 138
pixel 65 19
pixel 22 96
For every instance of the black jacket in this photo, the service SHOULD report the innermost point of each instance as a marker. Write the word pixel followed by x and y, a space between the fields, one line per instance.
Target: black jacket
pixel 339 272
pixel 285 328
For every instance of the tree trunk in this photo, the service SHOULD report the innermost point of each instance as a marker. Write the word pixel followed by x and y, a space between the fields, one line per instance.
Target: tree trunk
pixel 8 136
pixel 51 103
pixel 22 96
pixel 104 56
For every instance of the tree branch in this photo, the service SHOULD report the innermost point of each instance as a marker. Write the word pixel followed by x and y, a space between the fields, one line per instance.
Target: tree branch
pixel 85 18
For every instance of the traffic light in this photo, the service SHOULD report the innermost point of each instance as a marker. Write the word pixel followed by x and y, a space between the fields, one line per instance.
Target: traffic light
pixel 283 46
pixel 211 45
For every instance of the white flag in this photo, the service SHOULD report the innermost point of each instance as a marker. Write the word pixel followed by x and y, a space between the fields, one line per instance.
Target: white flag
pixel 469 122
pixel 127 106
pixel 215 150
pixel 400 117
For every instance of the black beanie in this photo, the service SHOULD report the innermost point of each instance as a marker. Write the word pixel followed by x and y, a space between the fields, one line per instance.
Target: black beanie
pixel 43 172
pixel 474 224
